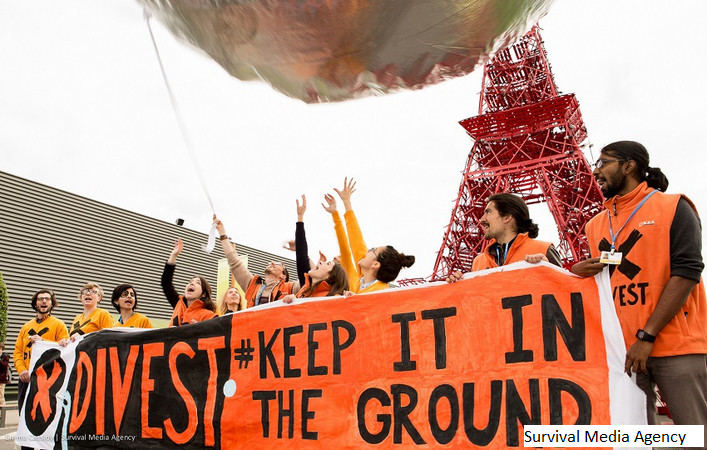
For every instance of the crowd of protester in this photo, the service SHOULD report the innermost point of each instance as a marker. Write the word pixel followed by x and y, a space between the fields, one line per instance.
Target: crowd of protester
pixel 357 270
pixel 511 236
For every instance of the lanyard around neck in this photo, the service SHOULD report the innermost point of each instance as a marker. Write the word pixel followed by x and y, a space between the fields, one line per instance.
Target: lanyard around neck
pixel 505 248
pixel 501 261
pixel 120 319
pixel 260 294
pixel 635 210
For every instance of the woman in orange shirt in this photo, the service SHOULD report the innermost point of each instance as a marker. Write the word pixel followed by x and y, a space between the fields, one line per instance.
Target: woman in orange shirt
pixel 368 269
pixel 92 318
pixel 327 278
pixel 124 300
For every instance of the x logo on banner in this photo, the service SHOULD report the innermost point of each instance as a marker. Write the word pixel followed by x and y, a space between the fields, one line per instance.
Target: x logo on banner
pixel 44 383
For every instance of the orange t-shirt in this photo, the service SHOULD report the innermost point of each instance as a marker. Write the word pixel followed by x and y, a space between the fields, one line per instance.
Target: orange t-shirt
pixel 97 320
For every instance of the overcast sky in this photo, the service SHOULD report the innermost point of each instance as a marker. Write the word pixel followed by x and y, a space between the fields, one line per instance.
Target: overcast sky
pixel 83 108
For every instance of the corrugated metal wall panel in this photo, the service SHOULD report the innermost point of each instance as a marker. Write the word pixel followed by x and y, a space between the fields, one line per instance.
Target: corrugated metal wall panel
pixel 55 239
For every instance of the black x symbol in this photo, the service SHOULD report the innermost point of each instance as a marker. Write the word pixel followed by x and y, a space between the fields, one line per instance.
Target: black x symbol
pixel 76 327
pixel 626 267
pixel 38 333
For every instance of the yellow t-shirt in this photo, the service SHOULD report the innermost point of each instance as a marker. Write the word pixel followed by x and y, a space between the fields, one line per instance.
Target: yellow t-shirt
pixel 97 320
pixel 49 329
pixel 137 320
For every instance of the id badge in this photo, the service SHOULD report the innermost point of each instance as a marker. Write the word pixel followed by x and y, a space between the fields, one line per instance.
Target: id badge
pixel 610 258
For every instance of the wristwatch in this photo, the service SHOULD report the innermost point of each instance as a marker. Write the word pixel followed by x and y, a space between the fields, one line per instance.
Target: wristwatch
pixel 641 335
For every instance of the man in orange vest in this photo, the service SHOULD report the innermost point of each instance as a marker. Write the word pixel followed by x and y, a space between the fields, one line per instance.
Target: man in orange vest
pixel 652 243
pixel 272 286
pixel 507 225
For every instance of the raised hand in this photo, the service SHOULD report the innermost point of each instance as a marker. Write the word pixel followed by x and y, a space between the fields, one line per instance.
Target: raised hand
pixel 178 247
pixel 289 245
pixel 346 192
pixel 301 208
pixel 219 226
pixel 330 207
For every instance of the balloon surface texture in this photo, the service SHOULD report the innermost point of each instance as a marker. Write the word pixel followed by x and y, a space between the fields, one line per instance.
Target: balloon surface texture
pixel 334 50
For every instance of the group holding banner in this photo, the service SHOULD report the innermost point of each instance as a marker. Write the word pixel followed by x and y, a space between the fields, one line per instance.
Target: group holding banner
pixel 457 364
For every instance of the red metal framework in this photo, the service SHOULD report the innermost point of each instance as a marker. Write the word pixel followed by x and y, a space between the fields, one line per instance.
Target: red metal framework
pixel 528 140
pixel 410 282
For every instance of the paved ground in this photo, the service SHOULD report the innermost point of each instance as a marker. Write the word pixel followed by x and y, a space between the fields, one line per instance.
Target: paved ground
pixel 6 443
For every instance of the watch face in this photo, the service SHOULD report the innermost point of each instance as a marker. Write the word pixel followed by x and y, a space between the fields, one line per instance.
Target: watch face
pixel 643 336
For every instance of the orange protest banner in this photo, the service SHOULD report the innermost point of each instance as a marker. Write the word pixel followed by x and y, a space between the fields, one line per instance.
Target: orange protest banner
pixel 461 365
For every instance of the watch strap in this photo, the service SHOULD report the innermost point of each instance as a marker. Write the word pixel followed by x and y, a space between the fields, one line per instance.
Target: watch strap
pixel 642 335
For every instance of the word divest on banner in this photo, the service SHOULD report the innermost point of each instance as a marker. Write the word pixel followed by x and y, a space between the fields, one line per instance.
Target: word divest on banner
pixel 463 364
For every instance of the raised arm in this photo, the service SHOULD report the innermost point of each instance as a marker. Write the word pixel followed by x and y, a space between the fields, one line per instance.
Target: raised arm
pixel 347 261
pixel 168 274
pixel 301 249
pixel 238 269
pixel 357 244
pixel 346 192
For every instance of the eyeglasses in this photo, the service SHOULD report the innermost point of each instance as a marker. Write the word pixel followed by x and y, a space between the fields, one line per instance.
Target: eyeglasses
pixel 126 294
pixel 43 298
pixel 601 161
pixel 89 291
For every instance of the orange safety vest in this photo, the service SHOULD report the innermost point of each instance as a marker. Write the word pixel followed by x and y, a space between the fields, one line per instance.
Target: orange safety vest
pixel 521 246
pixel 322 289
pixel 283 288
pixel 196 312
pixel 638 282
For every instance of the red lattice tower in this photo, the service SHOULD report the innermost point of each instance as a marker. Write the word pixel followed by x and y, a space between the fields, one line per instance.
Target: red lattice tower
pixel 528 140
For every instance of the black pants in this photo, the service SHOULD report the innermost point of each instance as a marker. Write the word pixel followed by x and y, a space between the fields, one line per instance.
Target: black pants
pixel 21 393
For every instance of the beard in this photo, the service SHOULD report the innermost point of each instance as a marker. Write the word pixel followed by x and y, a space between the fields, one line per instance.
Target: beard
pixel 613 187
